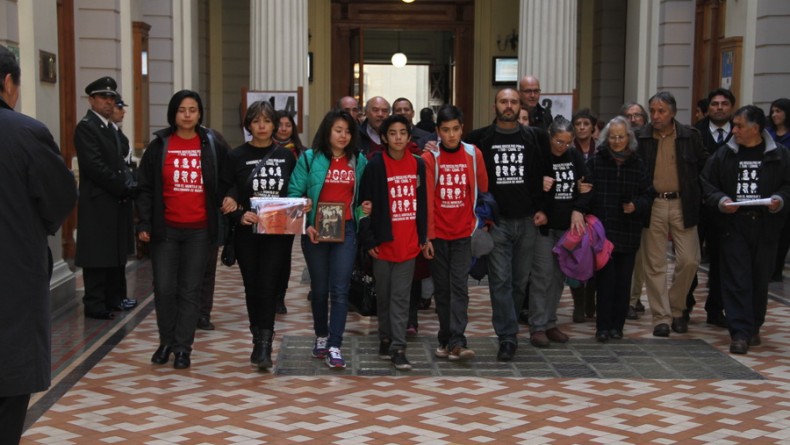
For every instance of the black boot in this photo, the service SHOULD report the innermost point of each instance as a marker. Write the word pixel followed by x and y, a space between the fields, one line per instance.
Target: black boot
pixel 280 304
pixel 256 345
pixel 265 356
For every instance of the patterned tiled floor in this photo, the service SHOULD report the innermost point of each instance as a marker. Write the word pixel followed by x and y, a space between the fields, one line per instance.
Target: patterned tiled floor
pixel 582 358
pixel 106 391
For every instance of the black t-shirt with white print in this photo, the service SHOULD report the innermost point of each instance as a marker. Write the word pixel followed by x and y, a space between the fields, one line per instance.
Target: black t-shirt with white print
pixel 507 173
pixel 271 181
pixel 750 161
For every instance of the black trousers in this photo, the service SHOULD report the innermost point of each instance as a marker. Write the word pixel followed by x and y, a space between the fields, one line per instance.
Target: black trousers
pixel 747 254
pixel 613 289
pixel 263 260
pixel 12 418
pixel 105 287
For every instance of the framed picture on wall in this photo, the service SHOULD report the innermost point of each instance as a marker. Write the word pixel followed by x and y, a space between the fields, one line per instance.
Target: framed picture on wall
pixel 505 70
pixel 729 73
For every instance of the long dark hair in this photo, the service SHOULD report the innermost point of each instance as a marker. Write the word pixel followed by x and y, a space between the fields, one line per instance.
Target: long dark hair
pixel 322 144
pixel 784 105
pixel 175 102
pixel 298 146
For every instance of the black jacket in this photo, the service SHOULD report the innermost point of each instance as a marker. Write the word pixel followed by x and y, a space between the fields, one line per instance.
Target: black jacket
pixel 540 117
pixel 37 193
pixel 377 228
pixel 720 177
pixel 104 217
pixel 614 185
pixel 690 155
pixel 150 201
pixel 708 140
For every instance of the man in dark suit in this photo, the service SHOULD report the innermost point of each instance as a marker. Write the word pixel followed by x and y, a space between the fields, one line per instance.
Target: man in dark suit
pixel 37 193
pixel 104 223
pixel 716 133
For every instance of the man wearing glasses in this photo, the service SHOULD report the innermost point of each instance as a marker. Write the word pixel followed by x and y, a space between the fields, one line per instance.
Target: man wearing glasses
pixel 516 162
pixel 529 94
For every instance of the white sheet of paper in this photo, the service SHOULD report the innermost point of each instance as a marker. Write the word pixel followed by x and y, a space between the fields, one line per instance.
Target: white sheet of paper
pixel 753 202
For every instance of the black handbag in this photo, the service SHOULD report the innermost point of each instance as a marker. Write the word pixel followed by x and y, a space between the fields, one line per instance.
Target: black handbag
pixel 362 293
pixel 228 256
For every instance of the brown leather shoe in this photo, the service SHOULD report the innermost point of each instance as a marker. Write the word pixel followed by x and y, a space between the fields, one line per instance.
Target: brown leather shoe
pixel 739 346
pixel 538 339
pixel 554 334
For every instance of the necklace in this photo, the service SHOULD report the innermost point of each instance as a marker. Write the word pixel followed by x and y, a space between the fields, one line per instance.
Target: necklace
pixel 334 156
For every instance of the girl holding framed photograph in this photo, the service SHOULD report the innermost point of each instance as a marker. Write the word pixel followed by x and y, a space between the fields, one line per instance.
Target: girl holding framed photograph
pixel 330 172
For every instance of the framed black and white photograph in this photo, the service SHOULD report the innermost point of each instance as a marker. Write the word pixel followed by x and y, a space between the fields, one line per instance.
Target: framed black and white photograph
pixel 330 222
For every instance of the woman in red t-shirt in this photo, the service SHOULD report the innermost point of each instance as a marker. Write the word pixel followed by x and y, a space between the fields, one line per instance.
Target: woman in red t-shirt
pixel 329 175
pixel 178 206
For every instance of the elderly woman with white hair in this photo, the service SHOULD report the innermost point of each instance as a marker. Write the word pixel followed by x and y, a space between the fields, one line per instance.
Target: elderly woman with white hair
pixel 621 197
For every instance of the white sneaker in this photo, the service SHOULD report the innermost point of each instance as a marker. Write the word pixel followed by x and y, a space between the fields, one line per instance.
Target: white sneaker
pixel 334 358
pixel 441 351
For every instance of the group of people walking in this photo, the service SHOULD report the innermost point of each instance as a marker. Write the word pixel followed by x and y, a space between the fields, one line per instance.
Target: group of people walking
pixel 542 189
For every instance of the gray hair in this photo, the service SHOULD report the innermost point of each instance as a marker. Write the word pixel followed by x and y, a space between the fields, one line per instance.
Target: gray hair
pixel 667 98
pixel 561 125
pixel 642 111
pixel 618 120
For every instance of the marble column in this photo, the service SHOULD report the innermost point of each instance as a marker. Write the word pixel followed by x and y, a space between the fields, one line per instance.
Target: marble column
pixel 547 43
pixel 278 48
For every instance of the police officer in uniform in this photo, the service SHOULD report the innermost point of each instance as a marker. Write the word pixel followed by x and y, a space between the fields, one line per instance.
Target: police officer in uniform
pixel 104 220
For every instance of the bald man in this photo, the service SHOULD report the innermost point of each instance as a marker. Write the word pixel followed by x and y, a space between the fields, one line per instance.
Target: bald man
pixel 529 93
pixel 376 110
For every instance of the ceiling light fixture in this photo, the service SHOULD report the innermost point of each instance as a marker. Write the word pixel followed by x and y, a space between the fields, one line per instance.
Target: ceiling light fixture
pixel 399 59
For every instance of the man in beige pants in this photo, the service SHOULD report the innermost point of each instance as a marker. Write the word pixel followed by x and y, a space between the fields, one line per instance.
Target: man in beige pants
pixel 674 156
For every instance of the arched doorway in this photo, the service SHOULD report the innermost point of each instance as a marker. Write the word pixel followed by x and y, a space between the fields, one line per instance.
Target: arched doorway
pixel 353 19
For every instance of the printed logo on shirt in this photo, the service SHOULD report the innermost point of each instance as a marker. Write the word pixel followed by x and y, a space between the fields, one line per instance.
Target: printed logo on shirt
pixel 268 182
pixel 403 198
pixel 508 163
pixel 340 174
pixel 564 181
pixel 453 188
pixel 748 180
pixel 187 173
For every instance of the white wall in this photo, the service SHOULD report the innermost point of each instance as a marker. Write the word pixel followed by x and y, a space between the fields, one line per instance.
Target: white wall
pixel 771 53
pixel 676 54
pixel 159 15
pixel 97 47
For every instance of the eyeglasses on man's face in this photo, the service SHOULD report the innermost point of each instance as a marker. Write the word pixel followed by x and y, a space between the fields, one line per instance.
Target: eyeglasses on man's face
pixel 617 137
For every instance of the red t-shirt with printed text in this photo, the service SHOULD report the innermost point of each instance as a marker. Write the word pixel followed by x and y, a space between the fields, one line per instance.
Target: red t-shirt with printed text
pixel 402 191
pixel 182 184
pixel 339 185
pixel 453 201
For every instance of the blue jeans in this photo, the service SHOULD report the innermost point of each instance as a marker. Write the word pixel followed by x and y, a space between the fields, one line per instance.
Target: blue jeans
pixel 450 269
pixel 509 266
pixel 330 266
pixel 545 284
pixel 179 262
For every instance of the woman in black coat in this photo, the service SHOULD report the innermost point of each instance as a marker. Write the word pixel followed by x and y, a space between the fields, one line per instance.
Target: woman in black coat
pixel 179 205
pixel 621 197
